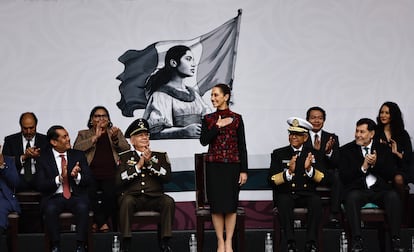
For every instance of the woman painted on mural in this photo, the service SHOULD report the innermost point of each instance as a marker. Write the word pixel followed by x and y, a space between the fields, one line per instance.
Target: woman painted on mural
pixel 174 110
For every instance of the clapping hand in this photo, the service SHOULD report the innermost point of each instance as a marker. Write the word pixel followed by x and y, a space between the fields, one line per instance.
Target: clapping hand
pixel 329 145
pixel 75 171
pixel 308 161
pixel 113 131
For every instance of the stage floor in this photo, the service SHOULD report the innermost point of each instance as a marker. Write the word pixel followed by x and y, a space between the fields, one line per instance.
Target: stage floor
pixel 146 241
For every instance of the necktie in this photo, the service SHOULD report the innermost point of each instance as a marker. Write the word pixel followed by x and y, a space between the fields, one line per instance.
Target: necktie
pixel 316 142
pixel 66 189
pixel 28 166
pixel 296 153
pixel 366 149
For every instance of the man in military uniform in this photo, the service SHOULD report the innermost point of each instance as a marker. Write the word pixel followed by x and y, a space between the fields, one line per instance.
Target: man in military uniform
pixel 294 173
pixel 140 177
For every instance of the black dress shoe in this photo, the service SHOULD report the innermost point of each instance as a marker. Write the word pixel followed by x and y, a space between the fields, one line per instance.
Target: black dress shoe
pixel 165 248
pixel 55 249
pixel 291 247
pixel 311 247
pixel 80 249
pixel 396 245
pixel 357 245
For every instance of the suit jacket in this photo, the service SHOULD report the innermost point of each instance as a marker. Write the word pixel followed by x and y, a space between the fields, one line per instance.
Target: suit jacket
pixel 13 146
pixel 150 180
pixel 300 182
pixel 83 142
pixel 8 181
pixel 47 171
pixel 328 162
pixel 351 160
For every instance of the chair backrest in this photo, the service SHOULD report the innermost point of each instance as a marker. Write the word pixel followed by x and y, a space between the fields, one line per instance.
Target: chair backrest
pixel 200 180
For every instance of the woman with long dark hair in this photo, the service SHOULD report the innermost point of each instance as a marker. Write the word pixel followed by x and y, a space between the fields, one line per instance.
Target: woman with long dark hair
pixel 391 132
pixel 174 110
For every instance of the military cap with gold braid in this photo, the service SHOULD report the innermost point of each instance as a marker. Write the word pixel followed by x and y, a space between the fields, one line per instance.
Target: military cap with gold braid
pixel 136 127
pixel 299 125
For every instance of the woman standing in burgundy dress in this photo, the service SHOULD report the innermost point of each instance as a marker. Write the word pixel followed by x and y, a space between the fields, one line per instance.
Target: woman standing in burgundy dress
pixel 226 169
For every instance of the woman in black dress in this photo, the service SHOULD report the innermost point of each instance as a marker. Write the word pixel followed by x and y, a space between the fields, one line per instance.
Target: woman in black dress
pixel 391 132
pixel 226 169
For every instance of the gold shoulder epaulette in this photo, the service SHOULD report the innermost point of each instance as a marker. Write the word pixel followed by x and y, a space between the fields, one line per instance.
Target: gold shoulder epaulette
pixel 318 176
pixel 278 178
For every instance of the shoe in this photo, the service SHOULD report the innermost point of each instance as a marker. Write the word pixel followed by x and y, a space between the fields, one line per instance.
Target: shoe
pixel 333 220
pixel 80 249
pixel 94 227
pixel 396 245
pixel 165 248
pixel 104 228
pixel 311 247
pixel 55 249
pixel 291 247
pixel 357 245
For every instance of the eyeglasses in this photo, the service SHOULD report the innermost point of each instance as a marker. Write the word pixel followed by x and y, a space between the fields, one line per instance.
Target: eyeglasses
pixel 100 116
pixel 296 134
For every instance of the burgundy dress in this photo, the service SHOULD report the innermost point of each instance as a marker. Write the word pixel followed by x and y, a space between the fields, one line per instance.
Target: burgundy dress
pixel 226 159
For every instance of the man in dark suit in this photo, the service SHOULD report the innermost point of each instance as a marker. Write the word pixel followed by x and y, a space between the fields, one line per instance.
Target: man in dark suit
pixel 327 146
pixel 25 146
pixel 8 181
pixel 140 177
pixel 294 173
pixel 366 170
pixel 63 179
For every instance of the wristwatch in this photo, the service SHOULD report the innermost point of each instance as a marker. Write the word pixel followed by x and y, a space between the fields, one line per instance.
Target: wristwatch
pixel 2 165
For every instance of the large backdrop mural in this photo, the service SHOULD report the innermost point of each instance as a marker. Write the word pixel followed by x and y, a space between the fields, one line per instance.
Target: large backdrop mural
pixel 158 59
pixel 169 78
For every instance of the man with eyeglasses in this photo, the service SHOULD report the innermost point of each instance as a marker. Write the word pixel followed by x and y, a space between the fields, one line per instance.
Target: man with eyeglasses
pixel 140 177
pixel 102 142
pixel 294 173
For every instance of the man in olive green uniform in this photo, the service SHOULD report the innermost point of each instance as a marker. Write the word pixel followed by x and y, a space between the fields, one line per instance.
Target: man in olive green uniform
pixel 140 177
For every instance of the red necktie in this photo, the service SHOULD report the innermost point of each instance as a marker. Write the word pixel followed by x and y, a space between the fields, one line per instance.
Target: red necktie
pixel 316 142
pixel 28 166
pixel 66 188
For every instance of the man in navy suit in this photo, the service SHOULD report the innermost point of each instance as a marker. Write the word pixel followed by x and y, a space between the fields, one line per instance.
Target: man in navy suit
pixel 367 170
pixel 25 146
pixel 63 177
pixel 327 145
pixel 8 181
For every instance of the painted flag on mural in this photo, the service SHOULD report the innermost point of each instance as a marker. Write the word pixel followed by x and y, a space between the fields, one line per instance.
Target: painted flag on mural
pixel 214 53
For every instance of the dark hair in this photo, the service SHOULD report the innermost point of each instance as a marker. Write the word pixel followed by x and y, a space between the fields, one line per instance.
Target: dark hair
pixel 164 75
pixel 52 132
pixel 225 89
pixel 396 120
pixel 89 124
pixel 27 114
pixel 318 109
pixel 369 122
